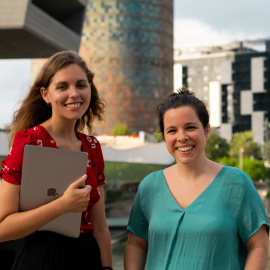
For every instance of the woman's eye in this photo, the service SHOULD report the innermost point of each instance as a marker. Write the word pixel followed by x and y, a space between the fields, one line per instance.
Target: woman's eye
pixel 81 85
pixel 61 87
pixel 191 128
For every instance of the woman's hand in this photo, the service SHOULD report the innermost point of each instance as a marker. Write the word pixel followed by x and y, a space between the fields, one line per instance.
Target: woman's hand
pixel 76 199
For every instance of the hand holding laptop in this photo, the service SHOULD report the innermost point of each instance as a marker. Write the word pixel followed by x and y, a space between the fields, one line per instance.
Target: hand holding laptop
pixel 61 179
pixel 76 199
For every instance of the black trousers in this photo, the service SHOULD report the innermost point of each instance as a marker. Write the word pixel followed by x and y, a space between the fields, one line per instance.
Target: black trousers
pixel 52 251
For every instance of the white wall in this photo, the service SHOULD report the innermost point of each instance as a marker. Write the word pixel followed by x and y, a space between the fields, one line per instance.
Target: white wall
pixel 177 76
pixel 225 131
pixel 154 153
pixel 246 102
pixel 3 144
pixel 257 125
pixel 257 74
pixel 226 72
pixel 215 103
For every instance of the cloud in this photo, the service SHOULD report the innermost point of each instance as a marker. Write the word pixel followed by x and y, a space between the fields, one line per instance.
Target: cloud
pixel 14 83
pixel 189 32
pixel 241 18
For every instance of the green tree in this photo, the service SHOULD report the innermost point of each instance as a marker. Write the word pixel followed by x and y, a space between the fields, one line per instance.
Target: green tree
pixel 122 129
pixel 216 147
pixel 267 152
pixel 255 168
pixel 245 141
pixel 159 137
pixel 227 161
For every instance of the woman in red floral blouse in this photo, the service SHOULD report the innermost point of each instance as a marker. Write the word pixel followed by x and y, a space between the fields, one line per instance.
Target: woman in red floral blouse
pixel 62 101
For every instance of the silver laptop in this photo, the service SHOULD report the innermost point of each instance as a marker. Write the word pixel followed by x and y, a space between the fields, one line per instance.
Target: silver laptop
pixel 46 174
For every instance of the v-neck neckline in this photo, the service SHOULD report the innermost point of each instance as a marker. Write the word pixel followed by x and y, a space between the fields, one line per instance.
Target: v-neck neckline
pixel 77 133
pixel 198 197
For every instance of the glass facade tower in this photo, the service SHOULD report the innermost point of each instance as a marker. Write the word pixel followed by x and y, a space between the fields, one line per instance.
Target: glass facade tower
pixel 129 45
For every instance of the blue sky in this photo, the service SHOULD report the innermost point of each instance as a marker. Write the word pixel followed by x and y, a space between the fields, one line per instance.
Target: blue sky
pixel 196 22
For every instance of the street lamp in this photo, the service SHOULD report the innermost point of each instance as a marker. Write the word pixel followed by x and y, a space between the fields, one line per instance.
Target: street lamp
pixel 241 151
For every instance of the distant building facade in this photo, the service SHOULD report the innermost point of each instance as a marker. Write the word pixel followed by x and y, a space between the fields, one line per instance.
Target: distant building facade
pixel 129 45
pixel 235 83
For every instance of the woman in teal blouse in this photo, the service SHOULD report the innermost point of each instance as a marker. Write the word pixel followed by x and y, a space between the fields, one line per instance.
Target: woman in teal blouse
pixel 196 214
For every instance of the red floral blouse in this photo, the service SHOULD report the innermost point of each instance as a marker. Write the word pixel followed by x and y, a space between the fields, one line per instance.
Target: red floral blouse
pixel 38 135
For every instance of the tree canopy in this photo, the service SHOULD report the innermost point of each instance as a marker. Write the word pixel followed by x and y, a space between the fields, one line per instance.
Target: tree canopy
pixel 216 147
pixel 122 129
pixel 245 141
pixel 255 169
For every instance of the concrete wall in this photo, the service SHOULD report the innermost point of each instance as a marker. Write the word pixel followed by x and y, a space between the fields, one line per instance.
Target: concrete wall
pixel 39 28
pixel 154 153
pixel 257 74
pixel 3 144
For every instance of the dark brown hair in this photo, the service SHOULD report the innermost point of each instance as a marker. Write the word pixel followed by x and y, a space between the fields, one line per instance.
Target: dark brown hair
pixel 183 97
pixel 34 110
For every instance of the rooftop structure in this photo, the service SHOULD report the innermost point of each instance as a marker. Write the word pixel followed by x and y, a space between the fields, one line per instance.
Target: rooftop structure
pixel 40 28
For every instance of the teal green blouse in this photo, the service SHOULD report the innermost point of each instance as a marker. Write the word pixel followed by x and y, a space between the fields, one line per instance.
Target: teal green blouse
pixel 208 234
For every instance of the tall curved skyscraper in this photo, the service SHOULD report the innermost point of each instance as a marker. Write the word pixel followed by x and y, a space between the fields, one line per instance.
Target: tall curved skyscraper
pixel 129 45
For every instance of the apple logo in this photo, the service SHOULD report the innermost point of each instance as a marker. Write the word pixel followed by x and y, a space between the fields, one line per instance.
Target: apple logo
pixel 52 192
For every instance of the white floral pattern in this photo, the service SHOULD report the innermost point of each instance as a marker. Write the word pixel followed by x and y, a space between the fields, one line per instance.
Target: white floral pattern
pixel 39 142
pixel 39 136
pixel 93 145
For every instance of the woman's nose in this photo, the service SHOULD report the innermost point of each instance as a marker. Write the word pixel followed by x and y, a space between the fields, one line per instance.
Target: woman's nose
pixel 182 136
pixel 73 91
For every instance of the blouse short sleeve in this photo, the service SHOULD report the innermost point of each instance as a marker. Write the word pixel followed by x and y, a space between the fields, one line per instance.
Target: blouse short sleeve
pixel 138 223
pixel 12 165
pixel 252 213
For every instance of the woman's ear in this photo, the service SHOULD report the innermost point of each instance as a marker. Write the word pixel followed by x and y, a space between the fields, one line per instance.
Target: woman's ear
pixel 44 94
pixel 207 131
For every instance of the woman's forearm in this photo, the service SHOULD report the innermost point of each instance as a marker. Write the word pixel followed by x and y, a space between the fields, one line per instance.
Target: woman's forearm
pixel 104 241
pixel 257 259
pixel 257 250
pixel 135 258
pixel 101 230
pixel 136 253
pixel 15 224
pixel 21 224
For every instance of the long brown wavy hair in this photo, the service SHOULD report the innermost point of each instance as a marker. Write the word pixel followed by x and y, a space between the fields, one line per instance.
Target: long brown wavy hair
pixel 34 110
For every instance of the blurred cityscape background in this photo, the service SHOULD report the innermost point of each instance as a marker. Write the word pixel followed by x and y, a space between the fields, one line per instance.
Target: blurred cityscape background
pixel 134 49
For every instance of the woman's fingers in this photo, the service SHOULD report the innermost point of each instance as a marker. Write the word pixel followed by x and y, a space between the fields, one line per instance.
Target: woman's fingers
pixel 78 183
pixel 77 196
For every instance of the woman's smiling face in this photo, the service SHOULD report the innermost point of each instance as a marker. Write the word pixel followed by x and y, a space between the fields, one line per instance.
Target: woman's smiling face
pixel 185 135
pixel 69 93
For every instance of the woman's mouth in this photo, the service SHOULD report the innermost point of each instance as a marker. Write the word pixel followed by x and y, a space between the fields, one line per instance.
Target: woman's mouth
pixel 73 105
pixel 185 149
